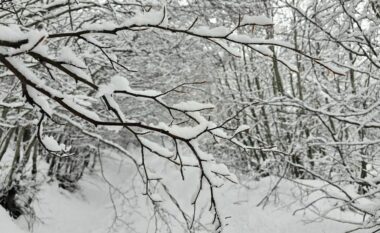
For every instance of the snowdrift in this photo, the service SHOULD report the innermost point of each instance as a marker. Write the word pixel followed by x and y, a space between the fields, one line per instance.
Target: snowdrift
pixel 6 223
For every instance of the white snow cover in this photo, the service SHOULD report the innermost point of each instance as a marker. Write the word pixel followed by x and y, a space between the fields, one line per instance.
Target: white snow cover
pixel 144 18
pixel 70 101
pixel 241 128
pixel 120 83
pixel 113 104
pixel 256 20
pixel 68 56
pixel 156 197
pixel 6 223
pixel 220 31
pixel 42 49
pixel 79 72
pixel 247 39
pixel 186 132
pixel 52 145
pixel 100 26
pixel 191 106
pixel 11 33
pixel 74 63
pixel 91 209
pixel 156 148
pixel 29 74
pixel 12 105
pixel 90 38
pixel 220 133
pixel 231 48
pixel 334 68
pixel 40 100
pixel 35 38
pixel 67 99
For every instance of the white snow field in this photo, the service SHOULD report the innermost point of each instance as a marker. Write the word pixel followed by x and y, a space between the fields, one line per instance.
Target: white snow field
pixel 90 209
pixel 6 223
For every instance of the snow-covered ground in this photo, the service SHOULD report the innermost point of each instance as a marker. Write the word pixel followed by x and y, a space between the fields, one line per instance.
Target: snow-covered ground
pixel 93 207
pixel 6 223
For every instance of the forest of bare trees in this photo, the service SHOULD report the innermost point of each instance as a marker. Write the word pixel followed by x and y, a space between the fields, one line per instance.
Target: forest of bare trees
pixel 236 91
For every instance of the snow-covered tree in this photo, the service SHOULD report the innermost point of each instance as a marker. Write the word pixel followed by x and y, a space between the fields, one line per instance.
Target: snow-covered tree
pixel 74 68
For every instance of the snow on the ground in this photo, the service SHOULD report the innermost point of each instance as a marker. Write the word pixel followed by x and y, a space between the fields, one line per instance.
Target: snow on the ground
pixel 92 210
pixel 6 223
pixel 87 210
pixel 277 216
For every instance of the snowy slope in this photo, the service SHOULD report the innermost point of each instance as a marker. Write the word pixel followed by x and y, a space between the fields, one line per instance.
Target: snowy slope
pixel 6 223
pixel 276 217
pixel 91 209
